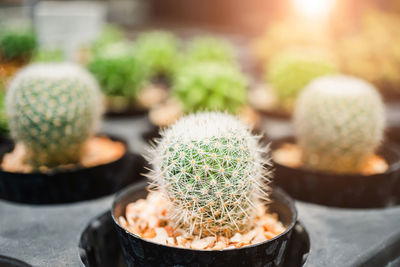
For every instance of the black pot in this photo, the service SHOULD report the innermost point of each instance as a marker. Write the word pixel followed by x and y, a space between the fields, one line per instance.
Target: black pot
pixel 140 252
pixel 63 186
pixel 347 191
pixel 10 262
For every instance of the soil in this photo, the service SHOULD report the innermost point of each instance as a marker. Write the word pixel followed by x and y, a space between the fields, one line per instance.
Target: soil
pixel 290 155
pixel 148 218
pixel 99 150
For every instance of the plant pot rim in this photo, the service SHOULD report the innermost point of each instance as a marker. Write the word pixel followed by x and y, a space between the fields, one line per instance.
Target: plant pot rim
pixel 127 191
pixel 387 145
pixel 74 169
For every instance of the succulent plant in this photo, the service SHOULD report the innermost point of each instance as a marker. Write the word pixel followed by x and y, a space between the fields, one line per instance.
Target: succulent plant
pixel 53 108
pixel 210 86
pixel 212 170
pixel 158 50
pixel 3 116
pixel 118 70
pixel 211 49
pixel 289 73
pixel 17 44
pixel 339 122
pixel 109 35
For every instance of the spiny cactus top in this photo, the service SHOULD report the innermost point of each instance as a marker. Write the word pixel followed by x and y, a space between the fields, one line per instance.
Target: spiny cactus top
pixel 158 51
pixel 210 86
pixel 53 109
pixel 211 49
pixel 212 169
pixel 118 70
pixel 339 122
pixel 288 73
pixel 17 44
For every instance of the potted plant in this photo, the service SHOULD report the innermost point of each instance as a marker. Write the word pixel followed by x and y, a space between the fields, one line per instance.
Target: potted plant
pixel 339 122
pixel 121 76
pixel 158 51
pixel 286 75
pixel 207 201
pixel 54 111
pixel 206 86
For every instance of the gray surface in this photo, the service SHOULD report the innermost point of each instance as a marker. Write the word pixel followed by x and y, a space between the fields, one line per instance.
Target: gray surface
pixel 49 235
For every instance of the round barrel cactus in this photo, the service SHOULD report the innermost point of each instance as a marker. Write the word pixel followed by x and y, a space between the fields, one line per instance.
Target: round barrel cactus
pixel 212 170
pixel 53 108
pixel 210 86
pixel 339 122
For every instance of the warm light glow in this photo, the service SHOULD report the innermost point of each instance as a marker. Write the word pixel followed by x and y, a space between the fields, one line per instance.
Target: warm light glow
pixel 313 8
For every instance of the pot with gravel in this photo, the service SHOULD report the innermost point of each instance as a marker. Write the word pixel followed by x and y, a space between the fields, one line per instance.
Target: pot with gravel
pixel 339 158
pixel 54 111
pixel 208 198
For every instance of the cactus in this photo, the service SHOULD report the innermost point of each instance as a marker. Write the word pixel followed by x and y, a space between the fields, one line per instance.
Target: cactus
pixel 158 51
pixel 118 70
pixel 211 49
pixel 17 44
pixel 210 86
pixel 109 35
pixel 3 116
pixel 288 73
pixel 52 110
pixel 212 170
pixel 339 122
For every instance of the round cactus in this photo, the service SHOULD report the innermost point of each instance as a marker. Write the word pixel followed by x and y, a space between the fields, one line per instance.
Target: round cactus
pixel 339 122
pixel 158 51
pixel 210 86
pixel 212 170
pixel 53 109
pixel 211 49
pixel 118 70
pixel 3 116
pixel 289 73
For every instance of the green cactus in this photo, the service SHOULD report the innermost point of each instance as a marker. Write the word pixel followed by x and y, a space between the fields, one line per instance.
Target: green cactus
pixel 4 129
pixel 339 122
pixel 210 86
pixel 17 44
pixel 289 73
pixel 158 51
pixel 118 70
pixel 53 108
pixel 49 55
pixel 110 34
pixel 211 169
pixel 211 49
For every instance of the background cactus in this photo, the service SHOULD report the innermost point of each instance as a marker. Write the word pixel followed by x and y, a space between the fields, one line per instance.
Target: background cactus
pixel 109 35
pixel 288 73
pixel 53 109
pixel 210 86
pixel 17 44
pixel 158 50
pixel 3 116
pixel 339 122
pixel 211 168
pixel 207 48
pixel 118 70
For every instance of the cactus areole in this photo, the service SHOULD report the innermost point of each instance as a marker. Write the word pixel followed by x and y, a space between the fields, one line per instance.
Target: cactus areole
pixel 212 171
pixel 53 109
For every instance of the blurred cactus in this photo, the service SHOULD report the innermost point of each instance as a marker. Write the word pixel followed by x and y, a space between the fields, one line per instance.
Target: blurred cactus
pixel 211 49
pixel 118 70
pixel 4 129
pixel 17 44
pixel 53 109
pixel 110 34
pixel 339 122
pixel 210 86
pixel 158 50
pixel 211 168
pixel 289 73
pixel 49 55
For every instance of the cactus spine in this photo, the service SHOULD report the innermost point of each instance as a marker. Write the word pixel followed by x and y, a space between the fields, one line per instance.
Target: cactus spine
pixel 53 109
pixel 211 168
pixel 339 122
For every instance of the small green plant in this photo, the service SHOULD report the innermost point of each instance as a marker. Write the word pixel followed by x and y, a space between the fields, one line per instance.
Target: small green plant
pixel 118 70
pixel 210 86
pixel 211 49
pixel 339 122
pixel 109 35
pixel 289 73
pixel 49 55
pixel 17 44
pixel 158 51
pixel 53 108
pixel 211 169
